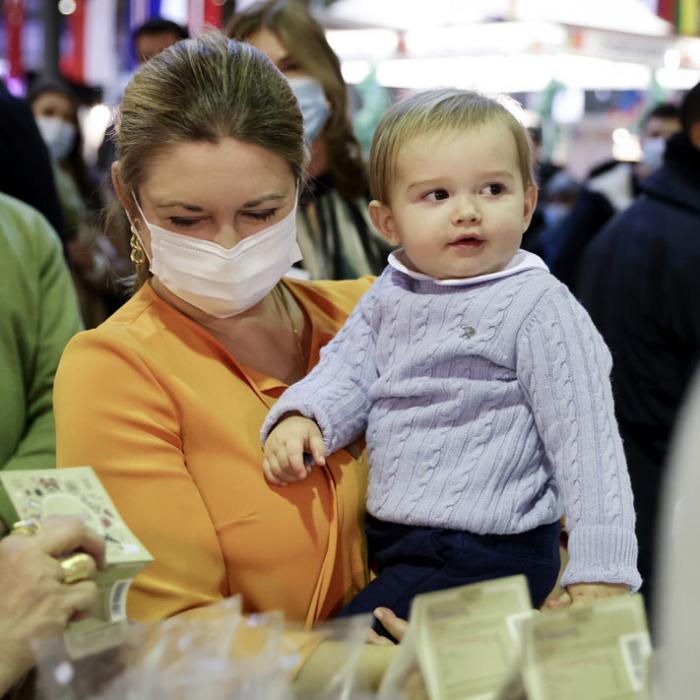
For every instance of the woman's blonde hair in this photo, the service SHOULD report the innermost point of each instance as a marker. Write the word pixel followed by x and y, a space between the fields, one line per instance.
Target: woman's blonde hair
pixel 435 111
pixel 307 44
pixel 204 89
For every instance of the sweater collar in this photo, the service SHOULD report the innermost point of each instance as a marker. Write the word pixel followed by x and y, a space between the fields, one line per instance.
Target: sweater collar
pixel 521 261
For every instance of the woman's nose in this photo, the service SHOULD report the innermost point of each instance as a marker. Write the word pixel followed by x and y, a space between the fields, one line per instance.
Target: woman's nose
pixel 227 237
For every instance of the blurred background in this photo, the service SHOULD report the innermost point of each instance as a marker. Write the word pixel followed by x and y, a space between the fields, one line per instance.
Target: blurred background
pixel 584 72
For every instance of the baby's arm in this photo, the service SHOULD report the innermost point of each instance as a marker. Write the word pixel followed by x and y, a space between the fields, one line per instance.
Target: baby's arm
pixel 586 593
pixel 335 394
pixel 285 446
pixel 564 369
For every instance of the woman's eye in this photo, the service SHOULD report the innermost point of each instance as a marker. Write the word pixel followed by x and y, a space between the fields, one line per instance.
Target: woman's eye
pixel 261 215
pixel 494 188
pixel 437 195
pixel 180 222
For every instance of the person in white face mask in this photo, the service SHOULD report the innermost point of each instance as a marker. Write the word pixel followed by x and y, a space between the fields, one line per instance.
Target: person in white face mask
pixel 166 398
pixel 91 256
pixel 334 232
pixel 55 109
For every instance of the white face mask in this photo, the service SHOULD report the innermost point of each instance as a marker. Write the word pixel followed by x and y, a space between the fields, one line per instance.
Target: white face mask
pixel 59 136
pixel 312 103
pixel 653 153
pixel 220 281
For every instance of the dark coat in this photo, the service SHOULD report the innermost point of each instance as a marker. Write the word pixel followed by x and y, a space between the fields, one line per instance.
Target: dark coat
pixel 640 281
pixel 26 172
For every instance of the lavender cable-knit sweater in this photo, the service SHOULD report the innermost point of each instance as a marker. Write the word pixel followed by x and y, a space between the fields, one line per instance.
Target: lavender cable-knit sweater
pixel 486 407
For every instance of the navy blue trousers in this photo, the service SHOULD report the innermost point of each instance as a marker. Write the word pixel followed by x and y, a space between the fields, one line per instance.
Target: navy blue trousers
pixel 412 560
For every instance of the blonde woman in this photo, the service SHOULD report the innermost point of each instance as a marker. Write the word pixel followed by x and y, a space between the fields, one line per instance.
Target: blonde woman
pixel 166 398
pixel 334 232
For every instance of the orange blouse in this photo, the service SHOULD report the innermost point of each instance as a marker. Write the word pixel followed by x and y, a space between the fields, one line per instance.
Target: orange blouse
pixel 170 422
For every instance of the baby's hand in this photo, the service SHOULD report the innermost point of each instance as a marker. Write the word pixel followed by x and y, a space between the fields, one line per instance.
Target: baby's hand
pixel 285 447
pixel 587 593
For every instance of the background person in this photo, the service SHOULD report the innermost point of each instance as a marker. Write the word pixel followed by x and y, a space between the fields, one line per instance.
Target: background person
pixel 609 190
pixel 38 315
pixel 26 171
pixel 640 284
pixel 335 235
pixel 148 40
pixel 94 261
pixel 55 109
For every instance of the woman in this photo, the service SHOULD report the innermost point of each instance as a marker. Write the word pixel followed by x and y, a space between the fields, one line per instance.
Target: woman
pixel 92 257
pixel 166 398
pixel 334 232
pixel 55 109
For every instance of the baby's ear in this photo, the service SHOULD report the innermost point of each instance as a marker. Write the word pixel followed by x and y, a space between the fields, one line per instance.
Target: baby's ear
pixel 383 221
pixel 530 202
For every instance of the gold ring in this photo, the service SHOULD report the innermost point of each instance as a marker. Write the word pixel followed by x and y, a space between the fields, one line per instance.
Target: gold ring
pixel 27 527
pixel 77 567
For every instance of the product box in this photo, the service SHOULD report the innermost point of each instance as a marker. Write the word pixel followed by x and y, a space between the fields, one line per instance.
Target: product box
pixel 468 638
pixel 78 491
pixel 593 652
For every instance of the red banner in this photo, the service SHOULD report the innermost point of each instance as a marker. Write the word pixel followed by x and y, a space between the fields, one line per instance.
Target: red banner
pixel 14 12
pixel 73 63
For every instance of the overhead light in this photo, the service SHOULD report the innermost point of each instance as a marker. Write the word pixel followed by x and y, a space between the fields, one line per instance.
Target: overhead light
pixel 474 39
pixel 672 58
pixel 488 74
pixel 67 7
pixel 625 145
pixel 518 73
pixel 363 43
pixel 677 78
pixel 355 72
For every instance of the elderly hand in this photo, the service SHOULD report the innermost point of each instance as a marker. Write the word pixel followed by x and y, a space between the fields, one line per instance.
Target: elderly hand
pixel 34 600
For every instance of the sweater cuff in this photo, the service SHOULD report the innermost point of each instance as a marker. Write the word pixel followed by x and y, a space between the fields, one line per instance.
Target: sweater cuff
pixel 602 554
pixel 304 408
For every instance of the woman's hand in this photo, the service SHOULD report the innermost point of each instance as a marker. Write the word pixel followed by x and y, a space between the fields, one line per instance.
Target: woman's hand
pixel 394 625
pixel 34 601
pixel 285 447
pixel 586 593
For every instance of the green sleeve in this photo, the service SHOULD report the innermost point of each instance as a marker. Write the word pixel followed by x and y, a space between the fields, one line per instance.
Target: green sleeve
pixel 58 319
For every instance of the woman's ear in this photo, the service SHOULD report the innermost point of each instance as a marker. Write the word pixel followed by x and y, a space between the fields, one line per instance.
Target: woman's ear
pixel 383 221
pixel 123 194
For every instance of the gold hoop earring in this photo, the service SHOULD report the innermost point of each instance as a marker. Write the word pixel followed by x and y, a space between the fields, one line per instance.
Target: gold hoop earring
pixel 138 256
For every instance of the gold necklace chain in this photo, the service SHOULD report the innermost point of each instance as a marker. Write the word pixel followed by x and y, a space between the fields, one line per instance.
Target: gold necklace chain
pixel 282 293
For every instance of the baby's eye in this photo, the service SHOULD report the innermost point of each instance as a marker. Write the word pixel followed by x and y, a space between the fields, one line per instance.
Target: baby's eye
pixel 436 195
pixel 493 189
pixel 263 215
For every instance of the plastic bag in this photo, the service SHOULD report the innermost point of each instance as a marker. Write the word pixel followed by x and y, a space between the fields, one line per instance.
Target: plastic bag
pixel 215 654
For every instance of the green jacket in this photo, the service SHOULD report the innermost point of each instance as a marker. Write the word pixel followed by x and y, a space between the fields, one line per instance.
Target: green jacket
pixel 38 315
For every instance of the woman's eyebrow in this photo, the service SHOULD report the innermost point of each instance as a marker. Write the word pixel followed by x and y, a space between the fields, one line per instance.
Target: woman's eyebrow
pixel 196 208
pixel 184 205
pixel 266 198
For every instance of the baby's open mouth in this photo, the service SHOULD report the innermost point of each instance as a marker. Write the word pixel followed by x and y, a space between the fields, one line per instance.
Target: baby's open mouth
pixel 467 241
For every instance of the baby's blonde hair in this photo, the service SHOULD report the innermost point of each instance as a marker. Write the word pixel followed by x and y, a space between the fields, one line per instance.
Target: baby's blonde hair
pixel 435 111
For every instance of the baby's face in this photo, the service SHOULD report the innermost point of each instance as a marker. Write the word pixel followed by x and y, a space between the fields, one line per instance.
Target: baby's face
pixel 458 204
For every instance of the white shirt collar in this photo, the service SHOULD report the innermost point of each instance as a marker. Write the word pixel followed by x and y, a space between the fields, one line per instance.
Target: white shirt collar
pixel 522 260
